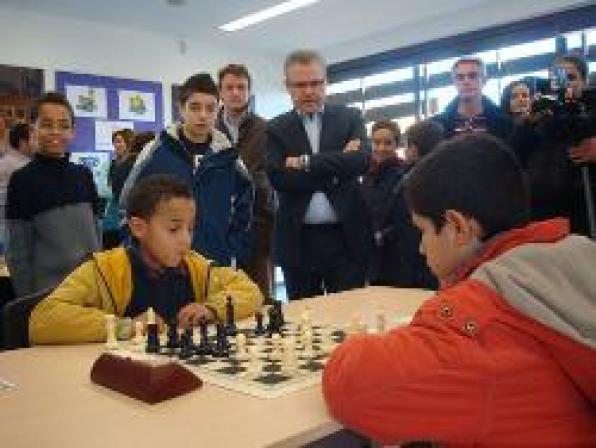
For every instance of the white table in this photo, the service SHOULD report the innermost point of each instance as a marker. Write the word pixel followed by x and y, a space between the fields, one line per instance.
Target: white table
pixel 56 405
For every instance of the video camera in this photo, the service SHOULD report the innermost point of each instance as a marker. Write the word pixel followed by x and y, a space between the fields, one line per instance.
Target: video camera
pixel 561 116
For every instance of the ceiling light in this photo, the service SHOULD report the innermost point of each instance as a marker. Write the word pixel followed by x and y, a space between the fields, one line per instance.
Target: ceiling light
pixel 266 14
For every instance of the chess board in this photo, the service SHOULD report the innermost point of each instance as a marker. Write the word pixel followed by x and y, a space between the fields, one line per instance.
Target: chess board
pixel 231 372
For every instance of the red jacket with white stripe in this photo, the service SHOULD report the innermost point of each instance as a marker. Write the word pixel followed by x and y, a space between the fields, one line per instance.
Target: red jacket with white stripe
pixel 503 356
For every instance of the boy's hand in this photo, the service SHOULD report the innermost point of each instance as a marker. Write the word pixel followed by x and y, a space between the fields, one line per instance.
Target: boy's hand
pixel 143 318
pixel 191 314
pixel 352 145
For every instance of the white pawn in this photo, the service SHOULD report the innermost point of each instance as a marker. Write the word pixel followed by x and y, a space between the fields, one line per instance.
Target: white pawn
pixel 307 342
pixel 138 340
pixel 241 352
pixel 111 341
pixel 326 341
pixel 289 362
pixel 275 347
pixel 254 366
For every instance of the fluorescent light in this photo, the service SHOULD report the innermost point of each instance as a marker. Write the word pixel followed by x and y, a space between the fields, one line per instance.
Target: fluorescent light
pixel 266 14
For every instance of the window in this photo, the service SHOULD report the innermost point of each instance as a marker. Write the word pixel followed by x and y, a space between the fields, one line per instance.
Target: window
pixel 343 86
pixel 401 74
pixel 388 101
pixel 528 49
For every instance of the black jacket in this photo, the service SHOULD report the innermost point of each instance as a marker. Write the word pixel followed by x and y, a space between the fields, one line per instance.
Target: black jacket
pixel 331 171
pixel 497 123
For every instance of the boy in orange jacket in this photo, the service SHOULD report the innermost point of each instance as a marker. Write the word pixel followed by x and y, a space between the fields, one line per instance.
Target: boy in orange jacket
pixel 505 353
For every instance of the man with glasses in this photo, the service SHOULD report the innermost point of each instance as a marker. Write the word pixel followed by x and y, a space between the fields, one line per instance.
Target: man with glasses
pixel 470 111
pixel 315 155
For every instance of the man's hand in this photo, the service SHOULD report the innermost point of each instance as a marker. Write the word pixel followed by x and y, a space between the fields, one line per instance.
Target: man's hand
pixel 294 163
pixel 352 145
pixel 191 314
pixel 585 151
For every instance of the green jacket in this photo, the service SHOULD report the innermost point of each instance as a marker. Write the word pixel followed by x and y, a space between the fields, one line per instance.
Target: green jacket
pixel 75 311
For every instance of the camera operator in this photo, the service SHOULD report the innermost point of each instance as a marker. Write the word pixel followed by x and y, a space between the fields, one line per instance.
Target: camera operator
pixel 556 145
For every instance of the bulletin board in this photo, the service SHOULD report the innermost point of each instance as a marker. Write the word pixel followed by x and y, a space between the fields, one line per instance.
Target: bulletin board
pixel 103 104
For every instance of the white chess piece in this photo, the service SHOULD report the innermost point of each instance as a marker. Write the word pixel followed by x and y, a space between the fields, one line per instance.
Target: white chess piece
pixel 289 361
pixel 326 340
pixel 307 341
pixel 150 316
pixel 241 351
pixel 254 366
pixel 275 347
pixel 111 341
pixel 138 340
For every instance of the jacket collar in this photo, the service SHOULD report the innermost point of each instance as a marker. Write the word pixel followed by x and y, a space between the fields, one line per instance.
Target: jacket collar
pixel 548 231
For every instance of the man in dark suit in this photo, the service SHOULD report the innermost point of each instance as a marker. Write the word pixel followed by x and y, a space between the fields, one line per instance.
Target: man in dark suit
pixel 314 156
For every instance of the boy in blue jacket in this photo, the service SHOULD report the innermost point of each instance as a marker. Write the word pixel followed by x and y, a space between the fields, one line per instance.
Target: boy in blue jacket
pixel 203 158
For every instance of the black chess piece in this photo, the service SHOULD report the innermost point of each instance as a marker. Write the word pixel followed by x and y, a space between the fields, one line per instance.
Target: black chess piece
pixel 275 324
pixel 279 313
pixel 205 347
pixel 259 329
pixel 173 342
pixel 152 339
pixel 222 346
pixel 230 322
pixel 186 346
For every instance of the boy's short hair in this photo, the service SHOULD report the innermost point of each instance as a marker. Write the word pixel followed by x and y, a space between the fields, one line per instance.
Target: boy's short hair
pixel 126 134
pixel 56 98
pixel 390 125
pixel 149 192
pixel 304 57
pixel 476 175
pixel 239 70
pixel 580 63
pixel 140 140
pixel 198 83
pixel 20 131
pixel 470 60
pixel 425 135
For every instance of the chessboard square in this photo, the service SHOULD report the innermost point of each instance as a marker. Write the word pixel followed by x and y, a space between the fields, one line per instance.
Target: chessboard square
pixel 272 379
pixel 272 368
pixel 231 369
pixel 313 366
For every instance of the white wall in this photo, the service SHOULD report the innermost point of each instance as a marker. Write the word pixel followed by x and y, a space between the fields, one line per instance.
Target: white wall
pixel 481 16
pixel 53 43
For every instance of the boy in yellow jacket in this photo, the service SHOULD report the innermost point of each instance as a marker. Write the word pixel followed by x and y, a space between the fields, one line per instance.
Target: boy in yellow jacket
pixel 158 270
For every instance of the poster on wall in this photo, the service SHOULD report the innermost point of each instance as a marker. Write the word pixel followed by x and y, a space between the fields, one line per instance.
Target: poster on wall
pixel 87 101
pixel 104 131
pixel 135 105
pixel 99 164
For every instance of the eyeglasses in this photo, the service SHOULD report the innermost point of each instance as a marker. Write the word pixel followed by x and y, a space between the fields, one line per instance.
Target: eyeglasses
pixel 314 84
pixel 472 76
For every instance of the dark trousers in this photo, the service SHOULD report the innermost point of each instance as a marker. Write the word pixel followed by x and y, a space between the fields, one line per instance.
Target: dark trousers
pixel 327 264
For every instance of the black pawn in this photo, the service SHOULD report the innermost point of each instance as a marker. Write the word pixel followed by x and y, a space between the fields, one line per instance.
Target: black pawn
pixel 230 322
pixel 204 348
pixel 279 313
pixel 173 341
pixel 186 347
pixel 222 347
pixel 259 329
pixel 152 339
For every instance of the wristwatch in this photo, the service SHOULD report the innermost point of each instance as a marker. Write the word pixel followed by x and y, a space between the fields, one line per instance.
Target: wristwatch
pixel 305 162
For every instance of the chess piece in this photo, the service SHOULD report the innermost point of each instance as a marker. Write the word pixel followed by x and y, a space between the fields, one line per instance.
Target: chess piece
pixel 186 347
pixel 222 347
pixel 326 340
pixel 277 305
pixel 230 322
pixel 204 348
pixel 241 352
pixel 275 347
pixel 111 341
pixel 138 339
pixel 173 341
pixel 307 341
pixel 255 365
pixel 259 329
pixel 289 362
pixel 152 333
